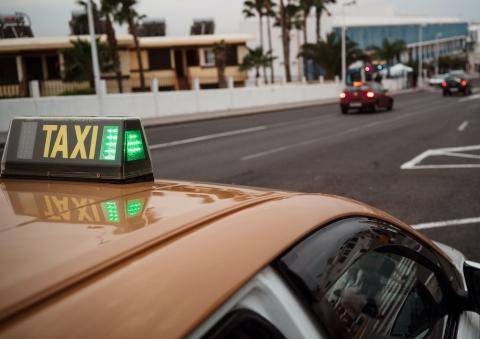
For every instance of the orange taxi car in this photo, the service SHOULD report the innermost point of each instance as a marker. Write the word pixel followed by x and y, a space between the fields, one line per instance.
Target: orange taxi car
pixel 93 247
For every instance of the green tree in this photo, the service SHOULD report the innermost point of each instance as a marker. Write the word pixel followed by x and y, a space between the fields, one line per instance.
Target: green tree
pixel 78 61
pixel 320 7
pixel 254 8
pixel 288 18
pixel 270 12
pixel 126 13
pixel 107 9
pixel 220 51
pixel 388 51
pixel 255 59
pixel 326 53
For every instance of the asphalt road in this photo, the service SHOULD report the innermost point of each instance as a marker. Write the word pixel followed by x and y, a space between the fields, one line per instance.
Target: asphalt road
pixel 317 149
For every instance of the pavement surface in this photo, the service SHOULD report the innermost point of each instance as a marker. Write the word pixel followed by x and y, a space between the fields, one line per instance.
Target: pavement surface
pixel 412 162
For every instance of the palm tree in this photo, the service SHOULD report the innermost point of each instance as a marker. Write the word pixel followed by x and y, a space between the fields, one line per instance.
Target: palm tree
pixel 389 51
pixel 78 61
pixel 326 53
pixel 306 7
pixel 255 59
pixel 220 51
pixel 253 8
pixel 270 12
pixel 320 7
pixel 288 18
pixel 126 13
pixel 107 7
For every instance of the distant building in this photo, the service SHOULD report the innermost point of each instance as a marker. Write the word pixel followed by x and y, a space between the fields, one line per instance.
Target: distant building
pixel 79 23
pixel 474 47
pixel 152 27
pixel 202 27
pixel 174 61
pixel 17 25
pixel 436 36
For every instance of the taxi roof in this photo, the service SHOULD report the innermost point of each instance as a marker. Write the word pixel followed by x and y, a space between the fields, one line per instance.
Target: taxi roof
pixel 141 259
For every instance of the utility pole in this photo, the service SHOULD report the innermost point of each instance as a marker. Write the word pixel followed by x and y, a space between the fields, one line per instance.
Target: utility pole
pixel 93 45
pixel 344 43
pixel 420 54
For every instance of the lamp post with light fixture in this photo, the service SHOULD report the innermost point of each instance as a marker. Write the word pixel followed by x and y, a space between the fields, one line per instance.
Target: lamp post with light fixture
pixel 344 47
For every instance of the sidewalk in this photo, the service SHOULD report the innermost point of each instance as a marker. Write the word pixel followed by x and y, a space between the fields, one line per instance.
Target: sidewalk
pixel 182 118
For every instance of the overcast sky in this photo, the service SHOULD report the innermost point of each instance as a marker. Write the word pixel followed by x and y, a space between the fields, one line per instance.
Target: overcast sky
pixel 50 17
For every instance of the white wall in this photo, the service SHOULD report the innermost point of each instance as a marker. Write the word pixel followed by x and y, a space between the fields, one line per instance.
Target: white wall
pixel 151 105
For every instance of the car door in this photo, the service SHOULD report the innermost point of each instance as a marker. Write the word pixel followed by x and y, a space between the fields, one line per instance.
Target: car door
pixel 365 278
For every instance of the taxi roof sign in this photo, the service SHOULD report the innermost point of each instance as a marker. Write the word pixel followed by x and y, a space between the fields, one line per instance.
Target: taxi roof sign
pixel 110 149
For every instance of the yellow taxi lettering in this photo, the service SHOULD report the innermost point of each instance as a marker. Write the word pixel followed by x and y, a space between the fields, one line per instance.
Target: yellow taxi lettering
pixel 48 138
pixel 93 144
pixel 61 143
pixel 82 211
pixel 80 146
pixel 96 215
pixel 49 211
pixel 61 204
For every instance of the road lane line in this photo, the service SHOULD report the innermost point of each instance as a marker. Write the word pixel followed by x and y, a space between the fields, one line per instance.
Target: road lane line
pixel 439 224
pixel 462 126
pixel 207 137
pixel 471 97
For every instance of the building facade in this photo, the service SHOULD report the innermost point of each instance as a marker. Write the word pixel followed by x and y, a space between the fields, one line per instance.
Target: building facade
pixel 174 61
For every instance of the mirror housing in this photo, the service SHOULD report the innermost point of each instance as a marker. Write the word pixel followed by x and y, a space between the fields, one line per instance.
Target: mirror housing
pixel 472 277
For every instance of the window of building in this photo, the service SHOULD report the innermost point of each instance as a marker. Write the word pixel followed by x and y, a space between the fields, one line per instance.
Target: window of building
pixel 192 57
pixel 208 57
pixel 232 55
pixel 159 59
pixel 8 70
pixel 53 67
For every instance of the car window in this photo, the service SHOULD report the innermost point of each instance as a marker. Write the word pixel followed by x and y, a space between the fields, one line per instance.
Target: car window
pixel 243 324
pixel 364 279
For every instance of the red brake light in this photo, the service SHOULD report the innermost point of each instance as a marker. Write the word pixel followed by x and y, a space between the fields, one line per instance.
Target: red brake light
pixel 463 83
pixel 370 94
pixel 444 84
pixel 343 95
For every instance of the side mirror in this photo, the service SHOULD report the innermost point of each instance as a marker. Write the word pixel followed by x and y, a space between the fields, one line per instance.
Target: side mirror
pixel 472 277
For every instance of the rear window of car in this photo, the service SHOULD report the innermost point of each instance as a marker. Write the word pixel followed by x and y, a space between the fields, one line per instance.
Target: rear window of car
pixel 357 88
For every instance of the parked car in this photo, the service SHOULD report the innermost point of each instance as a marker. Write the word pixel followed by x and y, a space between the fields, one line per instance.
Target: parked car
pixel 365 96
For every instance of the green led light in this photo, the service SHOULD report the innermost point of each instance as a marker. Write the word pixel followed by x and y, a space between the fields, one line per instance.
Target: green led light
pixel 108 151
pixel 110 210
pixel 134 145
pixel 134 207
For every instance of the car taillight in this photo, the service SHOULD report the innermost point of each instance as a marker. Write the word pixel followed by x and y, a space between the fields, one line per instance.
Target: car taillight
pixel 370 94
pixel 463 83
pixel 343 95
pixel 444 84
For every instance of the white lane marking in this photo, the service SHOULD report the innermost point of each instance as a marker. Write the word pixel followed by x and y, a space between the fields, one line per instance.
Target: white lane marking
pixel 311 141
pixel 448 152
pixel 207 137
pixel 446 223
pixel 462 126
pixel 471 97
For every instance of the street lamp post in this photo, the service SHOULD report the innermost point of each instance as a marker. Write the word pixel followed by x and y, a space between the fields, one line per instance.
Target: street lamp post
pixel 93 44
pixel 437 45
pixel 420 53
pixel 344 47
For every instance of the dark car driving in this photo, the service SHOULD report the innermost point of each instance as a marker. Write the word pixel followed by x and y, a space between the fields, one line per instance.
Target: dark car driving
pixel 365 96
pixel 456 83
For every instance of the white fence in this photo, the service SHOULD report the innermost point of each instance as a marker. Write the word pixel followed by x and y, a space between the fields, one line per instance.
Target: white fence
pixel 162 104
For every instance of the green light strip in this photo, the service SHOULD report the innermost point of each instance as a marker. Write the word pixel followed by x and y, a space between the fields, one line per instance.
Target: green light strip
pixel 110 210
pixel 108 150
pixel 134 145
pixel 134 207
